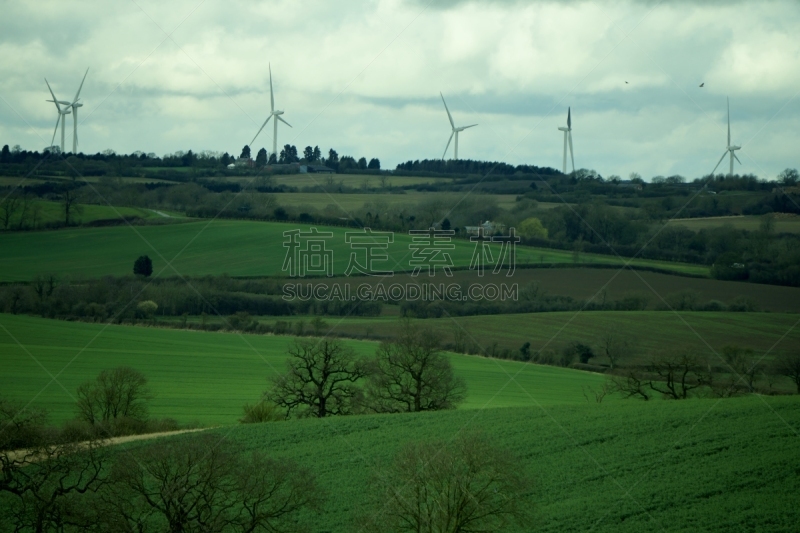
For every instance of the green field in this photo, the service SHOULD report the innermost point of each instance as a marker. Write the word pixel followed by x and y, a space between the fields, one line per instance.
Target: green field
pixel 52 212
pixel 238 248
pixel 783 223
pixel 649 331
pixel 692 466
pixel 208 377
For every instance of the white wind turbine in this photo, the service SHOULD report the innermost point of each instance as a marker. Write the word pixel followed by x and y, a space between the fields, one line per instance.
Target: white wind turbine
pixel 568 138
pixel 75 104
pixel 730 149
pixel 455 132
pixel 61 115
pixel 273 113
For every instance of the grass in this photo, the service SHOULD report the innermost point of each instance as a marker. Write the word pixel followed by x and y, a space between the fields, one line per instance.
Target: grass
pixel 237 248
pixel 53 212
pixel 629 466
pixel 208 377
pixel 783 223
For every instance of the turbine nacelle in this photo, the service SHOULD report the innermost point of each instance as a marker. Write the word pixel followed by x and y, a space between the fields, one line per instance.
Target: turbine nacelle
pixel 455 131
pixel 272 113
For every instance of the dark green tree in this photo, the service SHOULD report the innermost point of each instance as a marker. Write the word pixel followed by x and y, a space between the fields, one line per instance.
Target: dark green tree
pixel 245 152
pixel 446 224
pixel 317 153
pixel 5 155
pixel 333 157
pixel 188 159
pixel 308 154
pixel 225 159
pixel 362 163
pixel 374 164
pixel 272 159
pixel 261 157
pixel 143 266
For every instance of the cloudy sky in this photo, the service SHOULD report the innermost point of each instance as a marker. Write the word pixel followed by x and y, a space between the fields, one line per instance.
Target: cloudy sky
pixel 364 77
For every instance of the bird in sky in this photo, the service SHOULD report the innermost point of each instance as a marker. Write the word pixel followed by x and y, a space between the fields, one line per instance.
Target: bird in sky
pixel 702 84
pixel 626 82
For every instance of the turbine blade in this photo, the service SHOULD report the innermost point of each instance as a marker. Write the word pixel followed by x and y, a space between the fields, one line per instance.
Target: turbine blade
pixel 470 126
pixel 569 117
pixel 720 161
pixel 571 155
pixel 55 100
pixel 271 96
pixel 281 119
pixel 261 128
pixel 452 124
pixel 736 157
pixel 81 87
pixel 448 144
pixel 55 130
pixel 729 121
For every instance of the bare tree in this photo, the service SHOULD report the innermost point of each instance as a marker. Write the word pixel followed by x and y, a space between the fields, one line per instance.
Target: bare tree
pixel 70 204
pixel 115 394
pixel 8 207
pixel 679 374
pixel 631 384
pixel 320 380
pixel 464 486
pixel 615 347
pixel 203 484
pixel 41 482
pixel 745 366
pixel 411 373
pixel 789 365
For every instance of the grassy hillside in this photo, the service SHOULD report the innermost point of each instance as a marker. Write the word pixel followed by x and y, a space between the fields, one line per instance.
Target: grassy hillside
pixel 691 466
pixel 53 212
pixel 237 248
pixel 207 377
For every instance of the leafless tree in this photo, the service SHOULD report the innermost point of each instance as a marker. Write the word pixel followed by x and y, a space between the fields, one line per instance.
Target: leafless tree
pixel 466 486
pixel 70 204
pixel 679 374
pixel 745 366
pixel 8 207
pixel 789 365
pixel 203 484
pixel 631 384
pixel 114 395
pixel 615 347
pixel 321 379
pixel 40 482
pixel 411 373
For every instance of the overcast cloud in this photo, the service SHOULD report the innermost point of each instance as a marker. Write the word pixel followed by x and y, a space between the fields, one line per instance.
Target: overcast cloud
pixel 364 78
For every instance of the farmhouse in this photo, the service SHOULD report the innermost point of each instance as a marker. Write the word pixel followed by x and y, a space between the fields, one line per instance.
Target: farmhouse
pixel 487 228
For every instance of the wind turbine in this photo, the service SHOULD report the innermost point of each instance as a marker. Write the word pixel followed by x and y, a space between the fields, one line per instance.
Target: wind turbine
pixel 455 132
pixel 730 149
pixel 75 104
pixel 273 113
pixel 61 115
pixel 568 138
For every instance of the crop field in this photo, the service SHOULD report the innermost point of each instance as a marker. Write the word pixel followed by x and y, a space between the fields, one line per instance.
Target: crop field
pixel 769 334
pixel 783 224
pixel 238 248
pixel 691 466
pixel 208 377
pixel 611 284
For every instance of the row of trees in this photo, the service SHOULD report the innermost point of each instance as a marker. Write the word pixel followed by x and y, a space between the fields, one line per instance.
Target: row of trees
pixel 408 374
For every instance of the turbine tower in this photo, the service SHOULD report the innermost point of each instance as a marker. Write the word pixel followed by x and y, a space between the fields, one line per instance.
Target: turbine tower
pixel 61 115
pixel 730 149
pixel 273 113
pixel 455 132
pixel 568 138
pixel 75 104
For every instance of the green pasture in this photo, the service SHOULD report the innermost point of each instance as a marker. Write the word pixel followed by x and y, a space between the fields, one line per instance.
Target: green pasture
pixel 53 212
pixel 208 377
pixel 783 224
pixel 692 466
pixel 237 248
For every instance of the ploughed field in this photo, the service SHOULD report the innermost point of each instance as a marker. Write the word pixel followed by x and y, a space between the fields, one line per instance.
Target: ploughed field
pixel 237 248
pixel 208 377
pixel 627 466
